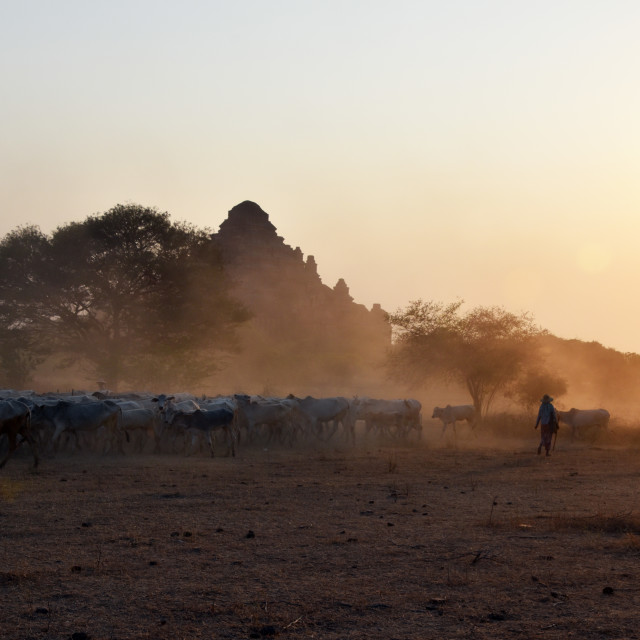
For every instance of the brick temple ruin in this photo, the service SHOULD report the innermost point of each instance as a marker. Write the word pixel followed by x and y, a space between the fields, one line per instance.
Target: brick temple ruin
pixel 301 328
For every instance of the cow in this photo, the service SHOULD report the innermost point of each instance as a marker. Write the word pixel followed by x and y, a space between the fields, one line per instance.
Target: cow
pixel 412 415
pixel 139 426
pixel 390 417
pixel 40 431
pixel 281 418
pixel 12 394
pixel 201 425
pixel 138 422
pixel 449 415
pixel 322 411
pixel 581 420
pixel 166 408
pixel 15 420
pixel 79 399
pixel 220 402
pixel 125 405
pixel 71 418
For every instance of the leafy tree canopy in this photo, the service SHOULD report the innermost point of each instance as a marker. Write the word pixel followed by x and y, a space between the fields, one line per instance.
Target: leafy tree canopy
pixel 483 349
pixel 529 388
pixel 143 300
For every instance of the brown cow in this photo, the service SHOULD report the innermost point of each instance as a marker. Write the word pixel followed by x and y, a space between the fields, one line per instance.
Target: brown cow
pixel 15 420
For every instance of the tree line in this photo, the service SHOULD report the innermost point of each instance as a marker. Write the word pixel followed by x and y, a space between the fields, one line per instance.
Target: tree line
pixel 129 297
pixel 488 351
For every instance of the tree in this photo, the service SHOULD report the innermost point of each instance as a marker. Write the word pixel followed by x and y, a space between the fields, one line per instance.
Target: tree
pixel 534 382
pixel 19 356
pixel 23 274
pixel 141 299
pixel 483 350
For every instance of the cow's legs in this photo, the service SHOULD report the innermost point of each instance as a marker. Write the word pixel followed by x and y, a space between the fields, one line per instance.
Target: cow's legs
pixel 191 444
pixel 232 437
pixel 34 450
pixel 55 438
pixel 12 447
pixel 332 431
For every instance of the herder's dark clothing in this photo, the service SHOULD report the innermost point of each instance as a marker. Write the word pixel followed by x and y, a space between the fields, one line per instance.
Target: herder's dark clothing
pixel 546 413
pixel 548 420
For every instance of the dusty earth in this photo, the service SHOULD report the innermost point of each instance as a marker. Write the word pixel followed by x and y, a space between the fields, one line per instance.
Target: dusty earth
pixel 376 541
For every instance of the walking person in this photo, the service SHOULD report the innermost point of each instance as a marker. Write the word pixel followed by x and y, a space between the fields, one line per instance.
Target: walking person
pixel 548 421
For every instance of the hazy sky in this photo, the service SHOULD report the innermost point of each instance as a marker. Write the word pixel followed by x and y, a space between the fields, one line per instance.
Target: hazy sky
pixel 477 149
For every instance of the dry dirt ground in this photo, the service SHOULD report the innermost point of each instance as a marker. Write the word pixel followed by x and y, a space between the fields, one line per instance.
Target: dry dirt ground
pixel 377 541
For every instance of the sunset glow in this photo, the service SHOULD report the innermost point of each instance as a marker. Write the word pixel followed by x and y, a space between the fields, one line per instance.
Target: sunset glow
pixel 488 151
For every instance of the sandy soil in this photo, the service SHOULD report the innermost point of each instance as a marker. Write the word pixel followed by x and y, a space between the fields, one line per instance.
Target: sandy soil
pixel 371 542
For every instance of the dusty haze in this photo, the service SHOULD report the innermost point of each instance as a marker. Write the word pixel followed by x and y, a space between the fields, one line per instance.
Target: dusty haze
pixel 487 153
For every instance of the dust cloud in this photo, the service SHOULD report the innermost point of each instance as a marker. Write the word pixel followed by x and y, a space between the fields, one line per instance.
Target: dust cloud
pixel 308 339
pixel 291 355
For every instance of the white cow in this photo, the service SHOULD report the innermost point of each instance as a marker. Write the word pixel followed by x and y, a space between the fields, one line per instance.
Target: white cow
pixel 389 417
pixel 281 418
pixel 140 426
pixel 320 412
pixel 166 408
pixel 581 420
pixel 449 415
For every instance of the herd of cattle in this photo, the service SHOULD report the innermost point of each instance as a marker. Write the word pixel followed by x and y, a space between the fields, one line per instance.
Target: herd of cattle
pixel 182 422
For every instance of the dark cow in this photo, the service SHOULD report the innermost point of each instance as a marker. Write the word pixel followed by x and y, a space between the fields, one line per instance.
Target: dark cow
pixel 201 424
pixel 15 420
pixel 70 418
pixel 581 420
